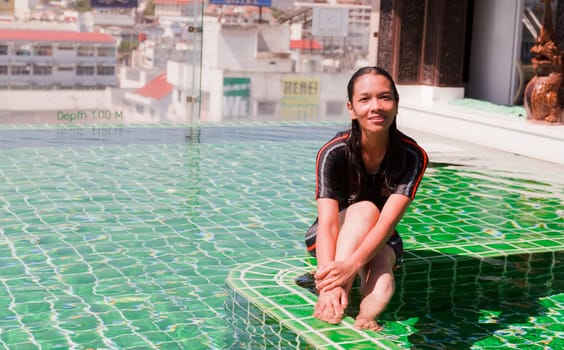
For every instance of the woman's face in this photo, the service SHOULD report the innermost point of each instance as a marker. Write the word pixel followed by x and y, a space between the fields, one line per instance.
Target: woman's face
pixel 373 103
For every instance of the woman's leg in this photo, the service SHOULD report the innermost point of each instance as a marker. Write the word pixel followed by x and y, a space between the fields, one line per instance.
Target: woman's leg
pixel 354 222
pixel 377 278
pixel 377 288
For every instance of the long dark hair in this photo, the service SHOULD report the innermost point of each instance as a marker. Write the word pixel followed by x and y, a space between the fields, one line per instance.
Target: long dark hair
pixel 356 170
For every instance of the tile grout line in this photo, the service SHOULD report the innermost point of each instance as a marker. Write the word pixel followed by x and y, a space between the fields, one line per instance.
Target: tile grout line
pixel 267 300
pixel 280 279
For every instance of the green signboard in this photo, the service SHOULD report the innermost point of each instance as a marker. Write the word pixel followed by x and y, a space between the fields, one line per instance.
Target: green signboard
pixel 236 97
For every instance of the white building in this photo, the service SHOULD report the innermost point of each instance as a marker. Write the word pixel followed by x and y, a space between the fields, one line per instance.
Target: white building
pixel 184 11
pixel 118 17
pixel 156 53
pixel 347 24
pixel 151 102
pixel 234 52
pixel 248 76
pixel 40 59
pixel 24 8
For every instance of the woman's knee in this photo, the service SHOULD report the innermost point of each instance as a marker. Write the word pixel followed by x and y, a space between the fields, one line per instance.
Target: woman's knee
pixel 364 210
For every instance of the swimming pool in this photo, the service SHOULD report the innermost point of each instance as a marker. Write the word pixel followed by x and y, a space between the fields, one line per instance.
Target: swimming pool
pixel 122 237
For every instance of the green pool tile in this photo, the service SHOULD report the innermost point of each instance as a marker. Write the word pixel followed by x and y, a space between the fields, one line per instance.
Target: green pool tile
pixel 50 336
pixel 525 246
pixel 502 247
pixel 302 323
pixel 556 343
pixel 548 243
pixel 453 250
pixel 33 319
pixel 313 337
pixel 477 248
pixel 553 325
pixel 301 311
pixel 129 340
pixel 340 335
pixel 289 299
pixel 166 222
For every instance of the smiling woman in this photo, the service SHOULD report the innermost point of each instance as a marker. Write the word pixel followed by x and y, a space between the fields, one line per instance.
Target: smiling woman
pixel 373 105
pixel 366 179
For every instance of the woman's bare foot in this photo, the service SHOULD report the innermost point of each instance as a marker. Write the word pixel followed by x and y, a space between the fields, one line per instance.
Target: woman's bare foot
pixel 370 309
pixel 329 315
pixel 331 305
pixel 378 291
pixel 367 324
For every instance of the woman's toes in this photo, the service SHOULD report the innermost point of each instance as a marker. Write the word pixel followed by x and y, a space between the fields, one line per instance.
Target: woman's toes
pixel 367 324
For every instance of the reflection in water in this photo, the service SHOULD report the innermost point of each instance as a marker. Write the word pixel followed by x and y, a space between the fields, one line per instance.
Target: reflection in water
pixel 459 302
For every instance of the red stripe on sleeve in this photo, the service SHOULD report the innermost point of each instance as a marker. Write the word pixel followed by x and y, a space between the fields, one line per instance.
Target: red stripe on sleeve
pixel 425 161
pixel 319 155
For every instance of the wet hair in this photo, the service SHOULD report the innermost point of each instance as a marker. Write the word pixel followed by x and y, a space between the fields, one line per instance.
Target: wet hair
pixel 371 70
pixel 356 170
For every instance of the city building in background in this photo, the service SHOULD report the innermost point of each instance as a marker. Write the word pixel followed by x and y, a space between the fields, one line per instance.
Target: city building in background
pixel 33 59
pixel 151 102
pixel 222 60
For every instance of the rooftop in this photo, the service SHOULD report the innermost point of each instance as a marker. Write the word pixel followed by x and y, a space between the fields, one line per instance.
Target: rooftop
pixel 54 35
pixel 156 88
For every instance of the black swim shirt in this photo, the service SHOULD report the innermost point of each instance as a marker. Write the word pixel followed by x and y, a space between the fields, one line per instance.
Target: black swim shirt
pixel 333 180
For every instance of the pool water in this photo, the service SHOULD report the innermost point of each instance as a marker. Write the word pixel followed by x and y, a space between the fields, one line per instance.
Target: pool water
pixel 122 237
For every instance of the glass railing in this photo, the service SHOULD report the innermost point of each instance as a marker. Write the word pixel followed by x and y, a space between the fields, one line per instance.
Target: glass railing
pixel 103 61
pixel 177 61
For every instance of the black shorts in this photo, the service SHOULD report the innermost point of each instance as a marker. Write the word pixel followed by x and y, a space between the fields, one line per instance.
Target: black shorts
pixel 395 242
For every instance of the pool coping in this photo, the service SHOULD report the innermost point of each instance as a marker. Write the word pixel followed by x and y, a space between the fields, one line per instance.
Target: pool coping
pixel 278 296
pixel 507 133
pixel 270 286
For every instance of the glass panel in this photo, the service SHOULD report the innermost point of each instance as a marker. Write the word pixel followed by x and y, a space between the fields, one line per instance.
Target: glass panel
pixel 123 209
pixel 100 62
pixel 283 61
pixel 532 18
pixel 532 21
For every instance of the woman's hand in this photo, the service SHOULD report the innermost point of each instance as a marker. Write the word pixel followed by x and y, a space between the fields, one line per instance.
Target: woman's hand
pixel 331 305
pixel 334 274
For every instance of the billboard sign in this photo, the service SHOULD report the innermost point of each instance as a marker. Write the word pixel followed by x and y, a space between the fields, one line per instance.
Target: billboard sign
pixel 113 3
pixel 236 98
pixel 300 98
pixel 329 21
pixel 262 3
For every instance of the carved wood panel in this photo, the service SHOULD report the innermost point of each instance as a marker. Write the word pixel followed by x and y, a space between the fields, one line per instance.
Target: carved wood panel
pixel 422 41
pixel 385 35
pixel 452 43
pixel 560 24
pixel 432 38
pixel 411 39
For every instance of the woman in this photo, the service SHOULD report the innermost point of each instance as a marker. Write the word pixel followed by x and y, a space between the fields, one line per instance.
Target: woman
pixel 366 179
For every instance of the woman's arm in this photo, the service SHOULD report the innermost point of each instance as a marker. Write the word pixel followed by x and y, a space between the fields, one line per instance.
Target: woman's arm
pixel 327 230
pixel 391 214
pixel 338 273
pixel 331 304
